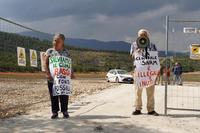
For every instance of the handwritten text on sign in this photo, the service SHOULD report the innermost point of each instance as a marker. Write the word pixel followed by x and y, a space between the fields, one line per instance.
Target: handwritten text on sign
pixel 60 68
pixel 146 69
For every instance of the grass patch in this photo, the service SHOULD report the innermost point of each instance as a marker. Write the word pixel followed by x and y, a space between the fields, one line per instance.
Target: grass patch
pixel 191 77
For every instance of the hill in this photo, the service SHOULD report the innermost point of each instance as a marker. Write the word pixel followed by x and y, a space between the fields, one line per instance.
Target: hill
pixel 94 44
pixel 85 43
pixel 84 60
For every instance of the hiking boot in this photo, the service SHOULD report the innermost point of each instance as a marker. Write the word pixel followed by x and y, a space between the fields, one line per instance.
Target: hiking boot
pixel 54 116
pixel 154 113
pixel 137 112
pixel 65 115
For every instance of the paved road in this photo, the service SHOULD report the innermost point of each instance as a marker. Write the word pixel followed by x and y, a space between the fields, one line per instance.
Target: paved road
pixel 106 112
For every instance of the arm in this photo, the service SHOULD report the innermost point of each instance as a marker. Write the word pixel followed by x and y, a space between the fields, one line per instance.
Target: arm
pixel 131 51
pixel 181 70
pixel 72 74
pixel 48 74
pixel 134 49
pixel 155 48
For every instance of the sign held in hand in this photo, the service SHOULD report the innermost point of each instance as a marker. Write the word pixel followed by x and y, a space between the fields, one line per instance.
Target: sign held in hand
pixel 147 69
pixel 60 68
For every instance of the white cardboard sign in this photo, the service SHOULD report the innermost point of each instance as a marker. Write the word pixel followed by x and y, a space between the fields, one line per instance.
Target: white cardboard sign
pixel 146 69
pixel 60 68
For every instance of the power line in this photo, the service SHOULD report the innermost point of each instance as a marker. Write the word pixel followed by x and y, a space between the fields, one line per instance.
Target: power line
pixel 12 22
pixel 185 21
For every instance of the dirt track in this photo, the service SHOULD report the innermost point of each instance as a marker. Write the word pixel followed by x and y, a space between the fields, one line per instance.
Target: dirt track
pixel 17 96
pixel 96 106
pixel 107 112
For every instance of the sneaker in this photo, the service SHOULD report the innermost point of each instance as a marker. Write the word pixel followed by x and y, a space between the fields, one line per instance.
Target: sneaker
pixel 154 113
pixel 137 112
pixel 54 116
pixel 65 115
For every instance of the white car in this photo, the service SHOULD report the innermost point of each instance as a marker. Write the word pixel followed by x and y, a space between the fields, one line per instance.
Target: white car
pixel 118 76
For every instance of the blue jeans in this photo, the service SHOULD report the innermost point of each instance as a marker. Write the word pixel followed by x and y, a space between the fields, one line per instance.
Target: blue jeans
pixel 177 79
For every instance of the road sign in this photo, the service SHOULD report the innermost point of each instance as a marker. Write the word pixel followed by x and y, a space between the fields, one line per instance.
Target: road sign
pixel 195 51
pixel 21 56
pixel 190 30
pixel 33 58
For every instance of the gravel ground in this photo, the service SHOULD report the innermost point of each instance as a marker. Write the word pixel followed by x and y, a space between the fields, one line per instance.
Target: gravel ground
pixel 107 112
pixel 19 96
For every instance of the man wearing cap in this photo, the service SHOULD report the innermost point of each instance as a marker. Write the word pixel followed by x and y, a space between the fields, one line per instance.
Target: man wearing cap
pixel 150 90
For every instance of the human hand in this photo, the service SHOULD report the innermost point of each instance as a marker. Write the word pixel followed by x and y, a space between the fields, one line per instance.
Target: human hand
pixel 49 77
pixel 138 50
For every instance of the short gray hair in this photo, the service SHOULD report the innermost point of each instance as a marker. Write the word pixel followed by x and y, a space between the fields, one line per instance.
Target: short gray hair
pixel 143 30
pixel 58 35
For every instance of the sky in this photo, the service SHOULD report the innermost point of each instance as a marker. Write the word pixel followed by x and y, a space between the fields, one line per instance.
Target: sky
pixel 106 20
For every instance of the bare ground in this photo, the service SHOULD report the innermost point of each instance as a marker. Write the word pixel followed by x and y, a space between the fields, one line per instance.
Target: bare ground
pixel 18 96
pixel 94 110
pixel 107 112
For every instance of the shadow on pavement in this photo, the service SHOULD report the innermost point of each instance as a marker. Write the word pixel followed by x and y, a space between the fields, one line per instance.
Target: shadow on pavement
pixel 184 115
pixel 88 117
pixel 72 125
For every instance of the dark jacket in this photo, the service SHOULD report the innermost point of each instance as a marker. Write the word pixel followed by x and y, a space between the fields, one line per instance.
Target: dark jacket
pixel 177 70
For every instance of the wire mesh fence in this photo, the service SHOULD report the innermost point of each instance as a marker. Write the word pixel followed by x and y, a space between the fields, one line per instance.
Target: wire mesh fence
pixel 183 92
pixel 184 98
pixel 13 35
pixel 18 92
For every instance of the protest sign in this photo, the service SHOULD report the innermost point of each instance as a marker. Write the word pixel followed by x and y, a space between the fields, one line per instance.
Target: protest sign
pixel 60 69
pixel 147 69
pixel 33 58
pixel 42 59
pixel 21 56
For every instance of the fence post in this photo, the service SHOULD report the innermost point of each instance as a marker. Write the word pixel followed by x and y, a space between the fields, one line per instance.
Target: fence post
pixel 166 64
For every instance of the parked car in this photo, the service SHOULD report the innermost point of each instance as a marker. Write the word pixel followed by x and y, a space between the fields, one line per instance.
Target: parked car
pixel 119 76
